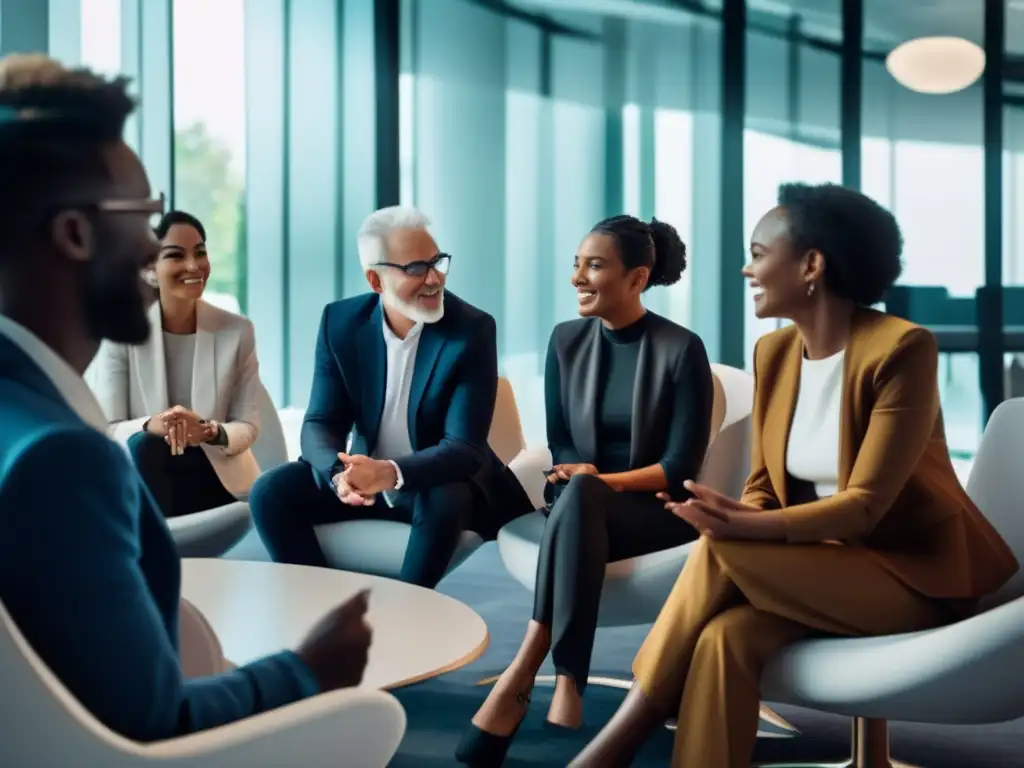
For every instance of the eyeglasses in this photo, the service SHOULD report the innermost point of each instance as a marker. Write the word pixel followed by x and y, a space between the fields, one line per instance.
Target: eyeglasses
pixel 153 206
pixel 440 263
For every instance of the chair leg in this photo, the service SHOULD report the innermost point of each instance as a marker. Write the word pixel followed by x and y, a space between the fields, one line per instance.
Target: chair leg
pixel 772 724
pixel 869 748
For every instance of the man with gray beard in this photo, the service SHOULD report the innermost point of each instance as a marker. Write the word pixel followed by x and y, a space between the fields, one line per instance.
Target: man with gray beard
pixel 411 372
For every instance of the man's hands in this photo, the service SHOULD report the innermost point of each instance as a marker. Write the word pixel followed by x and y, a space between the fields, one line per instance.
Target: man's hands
pixel 336 649
pixel 182 428
pixel 366 476
pixel 562 472
pixel 348 496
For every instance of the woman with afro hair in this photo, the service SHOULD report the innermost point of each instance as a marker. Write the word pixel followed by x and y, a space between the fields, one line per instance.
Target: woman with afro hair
pixel 852 521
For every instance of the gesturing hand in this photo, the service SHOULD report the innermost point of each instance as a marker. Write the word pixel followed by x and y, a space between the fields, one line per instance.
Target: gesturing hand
pixel 336 649
pixel 711 513
pixel 562 472
pixel 368 476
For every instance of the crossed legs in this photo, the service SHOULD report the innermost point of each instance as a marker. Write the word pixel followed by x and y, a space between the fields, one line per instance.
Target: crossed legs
pixel 733 607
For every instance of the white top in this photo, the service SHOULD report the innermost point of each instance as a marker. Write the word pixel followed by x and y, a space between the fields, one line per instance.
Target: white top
pixel 179 357
pixel 69 384
pixel 812 453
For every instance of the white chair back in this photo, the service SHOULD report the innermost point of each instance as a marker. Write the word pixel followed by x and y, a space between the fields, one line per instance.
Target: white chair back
pixel 727 463
pixel 996 485
pixel 506 435
pixel 41 723
pixel 270 449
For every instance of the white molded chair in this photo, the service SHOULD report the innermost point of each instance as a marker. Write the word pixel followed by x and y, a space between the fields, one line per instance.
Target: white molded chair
pixel 636 589
pixel 378 546
pixel 964 673
pixel 213 532
pixel 42 724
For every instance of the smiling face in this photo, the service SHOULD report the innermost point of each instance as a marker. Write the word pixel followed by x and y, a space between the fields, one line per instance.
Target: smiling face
pixel 603 285
pixel 420 298
pixel 184 266
pixel 778 275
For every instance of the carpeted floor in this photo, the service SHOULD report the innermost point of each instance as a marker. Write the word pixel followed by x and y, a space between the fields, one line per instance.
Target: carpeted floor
pixel 438 710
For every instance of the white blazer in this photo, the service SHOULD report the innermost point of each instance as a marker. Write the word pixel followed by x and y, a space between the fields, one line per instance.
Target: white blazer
pixel 130 383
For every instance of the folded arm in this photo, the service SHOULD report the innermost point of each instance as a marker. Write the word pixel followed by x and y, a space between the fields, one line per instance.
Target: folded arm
pixel 463 449
pixel 901 425
pixel 70 576
pixel 758 491
pixel 329 415
pixel 243 423
pixel 689 431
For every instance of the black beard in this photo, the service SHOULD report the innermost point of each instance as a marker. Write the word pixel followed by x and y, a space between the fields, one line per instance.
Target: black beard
pixel 114 306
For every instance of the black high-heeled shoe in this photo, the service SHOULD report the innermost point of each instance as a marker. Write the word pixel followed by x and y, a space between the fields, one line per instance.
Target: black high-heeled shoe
pixel 480 749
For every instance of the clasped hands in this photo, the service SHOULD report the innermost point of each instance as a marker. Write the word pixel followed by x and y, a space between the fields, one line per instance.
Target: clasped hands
pixel 363 478
pixel 182 428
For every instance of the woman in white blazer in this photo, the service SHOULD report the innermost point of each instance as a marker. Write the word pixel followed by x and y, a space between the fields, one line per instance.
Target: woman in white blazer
pixel 186 403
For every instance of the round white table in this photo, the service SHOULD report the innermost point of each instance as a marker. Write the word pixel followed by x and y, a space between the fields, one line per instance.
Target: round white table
pixel 259 608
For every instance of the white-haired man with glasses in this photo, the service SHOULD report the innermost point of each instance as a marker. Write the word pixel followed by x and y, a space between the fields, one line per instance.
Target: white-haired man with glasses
pixel 411 372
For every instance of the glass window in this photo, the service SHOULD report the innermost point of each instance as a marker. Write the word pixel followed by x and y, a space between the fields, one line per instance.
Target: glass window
pixel 907 139
pixel 209 136
pixel 792 124
pixel 100 38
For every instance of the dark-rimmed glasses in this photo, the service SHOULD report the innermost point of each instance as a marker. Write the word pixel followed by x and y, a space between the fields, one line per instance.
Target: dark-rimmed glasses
pixel 441 263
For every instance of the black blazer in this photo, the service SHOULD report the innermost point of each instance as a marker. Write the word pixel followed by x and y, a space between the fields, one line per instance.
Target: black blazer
pixel 672 398
pixel 451 402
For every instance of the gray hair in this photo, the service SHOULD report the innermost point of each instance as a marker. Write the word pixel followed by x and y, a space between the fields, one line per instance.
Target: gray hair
pixel 379 224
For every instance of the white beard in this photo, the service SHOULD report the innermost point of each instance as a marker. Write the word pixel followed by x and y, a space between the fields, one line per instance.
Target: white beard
pixel 413 311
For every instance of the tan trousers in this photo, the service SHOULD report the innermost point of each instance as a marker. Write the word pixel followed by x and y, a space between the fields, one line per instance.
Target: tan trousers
pixel 733 607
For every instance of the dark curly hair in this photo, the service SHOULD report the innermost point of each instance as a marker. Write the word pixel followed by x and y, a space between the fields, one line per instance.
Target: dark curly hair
pixel 55 123
pixel 860 240
pixel 171 218
pixel 656 246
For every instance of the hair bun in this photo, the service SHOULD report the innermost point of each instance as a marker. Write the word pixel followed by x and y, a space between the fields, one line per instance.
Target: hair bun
pixel 669 254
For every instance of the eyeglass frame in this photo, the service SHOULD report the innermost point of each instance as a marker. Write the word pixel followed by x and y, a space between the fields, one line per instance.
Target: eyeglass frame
pixel 425 265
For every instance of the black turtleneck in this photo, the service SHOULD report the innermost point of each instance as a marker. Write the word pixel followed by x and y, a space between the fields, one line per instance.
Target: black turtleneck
pixel 620 355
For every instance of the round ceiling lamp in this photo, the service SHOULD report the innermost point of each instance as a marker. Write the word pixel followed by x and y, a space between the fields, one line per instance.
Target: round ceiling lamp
pixel 936 64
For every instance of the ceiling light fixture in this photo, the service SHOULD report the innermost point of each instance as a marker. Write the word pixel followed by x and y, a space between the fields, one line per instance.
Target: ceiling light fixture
pixel 936 64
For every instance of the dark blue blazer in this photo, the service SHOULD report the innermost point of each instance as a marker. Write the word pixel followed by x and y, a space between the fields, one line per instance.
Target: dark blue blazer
pixel 451 402
pixel 91 576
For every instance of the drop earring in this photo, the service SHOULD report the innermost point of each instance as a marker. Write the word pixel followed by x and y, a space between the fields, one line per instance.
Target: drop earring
pixel 810 289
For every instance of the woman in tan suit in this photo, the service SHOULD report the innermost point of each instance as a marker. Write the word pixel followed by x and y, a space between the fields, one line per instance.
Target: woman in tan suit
pixel 852 521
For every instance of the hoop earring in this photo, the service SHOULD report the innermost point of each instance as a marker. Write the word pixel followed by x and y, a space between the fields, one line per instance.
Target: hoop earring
pixel 810 289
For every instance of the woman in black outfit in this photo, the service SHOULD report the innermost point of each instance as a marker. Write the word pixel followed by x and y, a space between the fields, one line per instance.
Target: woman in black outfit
pixel 628 397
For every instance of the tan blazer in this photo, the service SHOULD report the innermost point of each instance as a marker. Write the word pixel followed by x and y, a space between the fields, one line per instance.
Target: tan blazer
pixel 898 496
pixel 130 383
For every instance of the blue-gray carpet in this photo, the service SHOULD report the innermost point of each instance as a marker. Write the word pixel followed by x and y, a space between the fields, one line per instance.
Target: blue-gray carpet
pixel 438 710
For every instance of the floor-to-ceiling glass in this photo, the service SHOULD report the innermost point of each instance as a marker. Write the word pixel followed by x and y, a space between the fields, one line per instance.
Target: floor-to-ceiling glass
pixel 209 135
pixel 922 156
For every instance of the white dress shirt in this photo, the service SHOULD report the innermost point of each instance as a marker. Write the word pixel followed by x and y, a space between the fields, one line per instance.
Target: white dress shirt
pixel 812 453
pixel 65 379
pixel 393 441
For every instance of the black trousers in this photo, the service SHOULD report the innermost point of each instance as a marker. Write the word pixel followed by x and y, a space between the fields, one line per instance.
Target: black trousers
pixel 290 500
pixel 180 485
pixel 589 526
